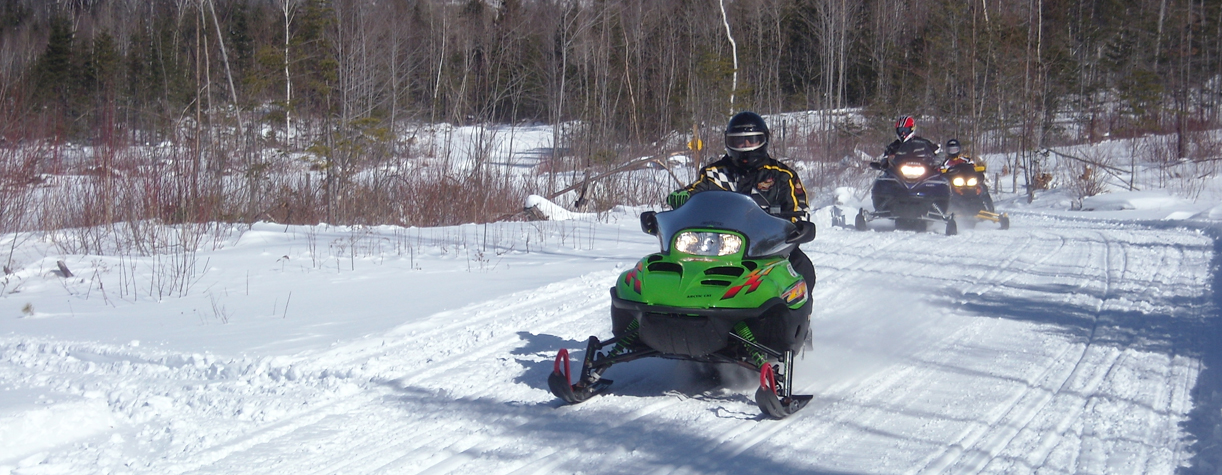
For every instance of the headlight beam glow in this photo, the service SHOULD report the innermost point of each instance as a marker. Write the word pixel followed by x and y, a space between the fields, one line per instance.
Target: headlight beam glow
pixel 708 243
pixel 912 171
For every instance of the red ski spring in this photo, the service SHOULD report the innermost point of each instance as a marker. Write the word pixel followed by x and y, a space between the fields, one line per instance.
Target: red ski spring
pixel 768 378
pixel 563 355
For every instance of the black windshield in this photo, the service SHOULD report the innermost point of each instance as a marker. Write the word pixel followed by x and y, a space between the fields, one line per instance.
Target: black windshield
pixel 765 233
pixel 914 151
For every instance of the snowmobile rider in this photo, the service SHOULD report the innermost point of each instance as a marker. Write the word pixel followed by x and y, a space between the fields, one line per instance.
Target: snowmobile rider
pixel 905 129
pixel 953 157
pixel 747 168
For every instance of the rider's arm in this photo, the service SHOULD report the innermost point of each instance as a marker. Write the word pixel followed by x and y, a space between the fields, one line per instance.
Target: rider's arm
pixel 793 195
pixel 710 178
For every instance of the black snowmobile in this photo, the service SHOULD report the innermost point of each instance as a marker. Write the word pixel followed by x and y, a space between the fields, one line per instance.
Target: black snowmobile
pixel 721 291
pixel 911 190
pixel 969 195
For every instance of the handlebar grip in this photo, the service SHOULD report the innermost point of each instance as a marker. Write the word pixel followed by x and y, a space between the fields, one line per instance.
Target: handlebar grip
pixel 775 211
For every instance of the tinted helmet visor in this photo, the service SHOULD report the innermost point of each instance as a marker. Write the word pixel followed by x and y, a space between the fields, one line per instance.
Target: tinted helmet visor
pixel 745 141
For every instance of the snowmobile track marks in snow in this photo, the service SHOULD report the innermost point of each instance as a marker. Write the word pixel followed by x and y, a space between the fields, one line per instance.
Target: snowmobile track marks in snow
pixel 980 445
pixel 1019 440
pixel 375 447
pixel 1017 352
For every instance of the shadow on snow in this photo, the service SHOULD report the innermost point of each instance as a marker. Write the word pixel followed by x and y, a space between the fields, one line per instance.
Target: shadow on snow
pixel 1183 326
pixel 1204 423
pixel 603 438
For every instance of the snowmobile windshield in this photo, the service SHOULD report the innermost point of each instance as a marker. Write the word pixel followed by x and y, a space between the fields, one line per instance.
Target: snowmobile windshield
pixel 914 160
pixel 966 168
pixel 765 233
pixel 914 151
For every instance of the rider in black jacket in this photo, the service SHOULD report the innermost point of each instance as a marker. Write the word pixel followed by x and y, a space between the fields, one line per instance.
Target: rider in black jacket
pixel 748 169
pixel 905 128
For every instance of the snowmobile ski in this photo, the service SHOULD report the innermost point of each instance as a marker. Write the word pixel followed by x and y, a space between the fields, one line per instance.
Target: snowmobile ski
pixel 561 379
pixel 590 382
pixel 1002 218
pixel 771 403
pixel 773 397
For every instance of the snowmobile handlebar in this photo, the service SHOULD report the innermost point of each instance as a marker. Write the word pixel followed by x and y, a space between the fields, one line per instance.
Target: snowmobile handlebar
pixel 785 214
pixel 804 233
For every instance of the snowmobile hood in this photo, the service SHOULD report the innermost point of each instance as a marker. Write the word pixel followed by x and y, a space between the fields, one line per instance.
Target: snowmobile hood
pixel 711 283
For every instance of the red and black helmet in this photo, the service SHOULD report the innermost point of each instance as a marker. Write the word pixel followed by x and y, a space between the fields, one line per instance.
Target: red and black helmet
pixel 905 128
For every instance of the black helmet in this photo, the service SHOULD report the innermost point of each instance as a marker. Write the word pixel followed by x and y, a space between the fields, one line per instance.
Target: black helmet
pixel 953 148
pixel 905 128
pixel 747 139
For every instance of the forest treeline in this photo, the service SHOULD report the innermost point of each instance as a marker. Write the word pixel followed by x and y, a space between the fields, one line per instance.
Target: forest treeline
pixel 339 78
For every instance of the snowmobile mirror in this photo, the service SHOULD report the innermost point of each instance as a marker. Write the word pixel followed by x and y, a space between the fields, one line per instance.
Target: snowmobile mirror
pixel 649 222
pixel 804 233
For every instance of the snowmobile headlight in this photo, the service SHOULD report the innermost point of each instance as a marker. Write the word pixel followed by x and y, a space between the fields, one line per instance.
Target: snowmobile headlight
pixel 971 181
pixel 958 181
pixel 911 171
pixel 708 244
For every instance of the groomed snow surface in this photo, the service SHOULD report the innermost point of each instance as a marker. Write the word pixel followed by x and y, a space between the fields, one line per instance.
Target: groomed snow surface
pixel 1067 344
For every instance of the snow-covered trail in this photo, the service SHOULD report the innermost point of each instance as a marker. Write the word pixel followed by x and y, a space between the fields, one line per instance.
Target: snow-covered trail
pixel 1057 346
pixel 1058 349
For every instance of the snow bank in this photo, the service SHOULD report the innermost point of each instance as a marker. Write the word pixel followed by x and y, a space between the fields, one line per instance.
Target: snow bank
pixel 552 211
pixel 1131 200
pixel 28 431
pixel 1123 205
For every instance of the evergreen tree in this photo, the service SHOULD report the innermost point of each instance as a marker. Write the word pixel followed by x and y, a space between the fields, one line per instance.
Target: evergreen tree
pixel 101 69
pixel 315 68
pixel 54 75
pixel 242 42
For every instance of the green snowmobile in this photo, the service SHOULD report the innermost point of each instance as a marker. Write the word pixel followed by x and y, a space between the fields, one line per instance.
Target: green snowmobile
pixel 721 291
